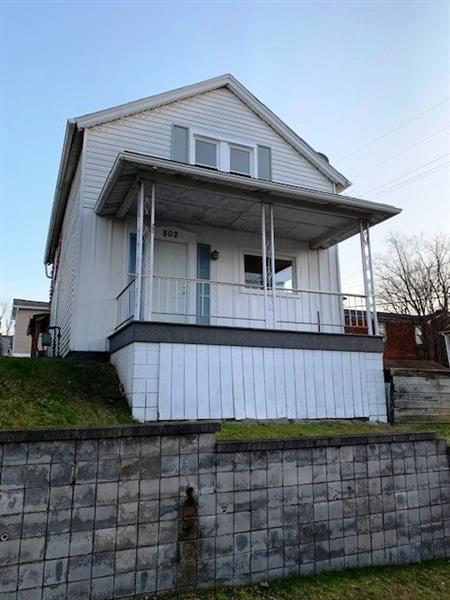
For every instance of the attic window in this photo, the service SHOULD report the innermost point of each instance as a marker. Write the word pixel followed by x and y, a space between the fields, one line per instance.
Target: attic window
pixel 240 159
pixel 215 150
pixel 206 152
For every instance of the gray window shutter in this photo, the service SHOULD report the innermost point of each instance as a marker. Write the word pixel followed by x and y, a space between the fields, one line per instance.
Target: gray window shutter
pixel 264 163
pixel 132 257
pixel 180 143
pixel 203 289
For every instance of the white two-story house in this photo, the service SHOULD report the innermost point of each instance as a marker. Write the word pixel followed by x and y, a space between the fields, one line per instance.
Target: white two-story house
pixel 193 239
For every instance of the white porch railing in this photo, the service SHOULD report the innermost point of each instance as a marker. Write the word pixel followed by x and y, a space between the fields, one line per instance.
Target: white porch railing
pixel 204 302
pixel 125 304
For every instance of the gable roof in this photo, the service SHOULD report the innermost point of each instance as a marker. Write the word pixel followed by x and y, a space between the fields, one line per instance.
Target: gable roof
pixel 74 138
pixel 231 83
pixel 29 305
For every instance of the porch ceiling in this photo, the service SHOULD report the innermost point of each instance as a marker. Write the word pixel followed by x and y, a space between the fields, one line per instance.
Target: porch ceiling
pixel 189 194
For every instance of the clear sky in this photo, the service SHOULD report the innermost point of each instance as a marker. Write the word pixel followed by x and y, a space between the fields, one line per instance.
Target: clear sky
pixel 340 73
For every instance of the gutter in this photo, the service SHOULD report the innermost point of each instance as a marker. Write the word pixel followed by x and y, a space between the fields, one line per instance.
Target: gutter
pixel 59 202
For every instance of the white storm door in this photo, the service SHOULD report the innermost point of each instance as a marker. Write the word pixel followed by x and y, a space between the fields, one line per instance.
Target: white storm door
pixel 170 289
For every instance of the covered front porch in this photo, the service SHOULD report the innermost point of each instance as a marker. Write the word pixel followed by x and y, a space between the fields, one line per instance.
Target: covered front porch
pixel 172 275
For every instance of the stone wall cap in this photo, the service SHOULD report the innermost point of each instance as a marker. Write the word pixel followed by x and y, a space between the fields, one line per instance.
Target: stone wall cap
pixel 108 431
pixel 321 441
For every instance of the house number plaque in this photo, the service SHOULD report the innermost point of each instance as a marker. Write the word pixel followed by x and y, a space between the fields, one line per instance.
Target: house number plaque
pixel 170 233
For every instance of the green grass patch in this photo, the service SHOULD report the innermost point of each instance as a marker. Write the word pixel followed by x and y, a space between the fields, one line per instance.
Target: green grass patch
pixel 245 430
pixel 425 581
pixel 40 392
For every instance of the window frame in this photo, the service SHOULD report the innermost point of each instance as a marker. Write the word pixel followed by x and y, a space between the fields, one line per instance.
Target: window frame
pixel 247 288
pixel 224 144
pixel 215 142
pixel 251 159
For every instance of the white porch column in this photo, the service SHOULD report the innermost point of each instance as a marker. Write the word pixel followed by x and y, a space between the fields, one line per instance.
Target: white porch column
pixel 264 259
pixel 149 252
pixel 268 265
pixel 368 278
pixel 272 260
pixel 372 281
pixel 139 251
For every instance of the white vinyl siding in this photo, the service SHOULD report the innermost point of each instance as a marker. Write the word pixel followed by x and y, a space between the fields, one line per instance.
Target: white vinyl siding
pixel 219 112
pixel 63 301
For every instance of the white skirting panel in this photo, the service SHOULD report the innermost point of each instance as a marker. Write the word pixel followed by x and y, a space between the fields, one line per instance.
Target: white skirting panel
pixel 190 381
pixel 225 382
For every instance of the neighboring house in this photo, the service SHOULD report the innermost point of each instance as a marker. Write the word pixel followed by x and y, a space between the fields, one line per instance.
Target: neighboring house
pixel 409 341
pixel 172 219
pixel 22 312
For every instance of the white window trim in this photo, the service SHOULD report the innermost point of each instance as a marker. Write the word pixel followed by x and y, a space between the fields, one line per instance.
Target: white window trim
pixel 224 143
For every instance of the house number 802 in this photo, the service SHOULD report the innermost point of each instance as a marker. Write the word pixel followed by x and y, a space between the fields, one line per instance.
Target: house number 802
pixel 170 233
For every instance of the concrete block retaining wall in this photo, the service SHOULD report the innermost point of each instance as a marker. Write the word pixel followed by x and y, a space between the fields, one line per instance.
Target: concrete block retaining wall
pixel 420 396
pixel 123 511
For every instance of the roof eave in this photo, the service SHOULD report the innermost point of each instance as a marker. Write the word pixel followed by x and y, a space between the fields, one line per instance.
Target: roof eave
pixel 61 192
pixel 290 136
pixel 128 108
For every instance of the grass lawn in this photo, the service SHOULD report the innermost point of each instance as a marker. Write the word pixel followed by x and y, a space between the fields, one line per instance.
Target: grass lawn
pixel 253 430
pixel 426 581
pixel 65 392
pixel 59 393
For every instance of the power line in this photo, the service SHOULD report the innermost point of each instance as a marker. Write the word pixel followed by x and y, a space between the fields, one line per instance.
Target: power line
pixel 413 179
pixel 406 173
pixel 402 151
pixel 380 137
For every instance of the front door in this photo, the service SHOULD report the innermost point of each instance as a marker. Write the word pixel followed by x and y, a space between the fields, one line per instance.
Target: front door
pixel 170 288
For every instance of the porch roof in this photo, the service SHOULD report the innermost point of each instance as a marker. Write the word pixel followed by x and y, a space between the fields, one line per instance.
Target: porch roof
pixel 190 194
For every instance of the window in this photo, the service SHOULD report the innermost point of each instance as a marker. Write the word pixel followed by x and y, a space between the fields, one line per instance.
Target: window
pixel 253 269
pixel 382 330
pixel 240 160
pixel 418 334
pixel 206 153
pixel 214 150
pixel 284 272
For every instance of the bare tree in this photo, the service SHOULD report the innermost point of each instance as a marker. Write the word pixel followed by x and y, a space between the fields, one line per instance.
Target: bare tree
pixel 6 320
pixel 413 279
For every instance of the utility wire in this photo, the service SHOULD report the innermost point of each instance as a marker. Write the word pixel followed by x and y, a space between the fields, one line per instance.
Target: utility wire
pixel 380 137
pixel 402 151
pixel 413 179
pixel 382 185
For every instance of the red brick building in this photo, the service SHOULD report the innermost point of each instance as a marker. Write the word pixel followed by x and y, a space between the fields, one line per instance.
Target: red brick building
pixel 404 337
